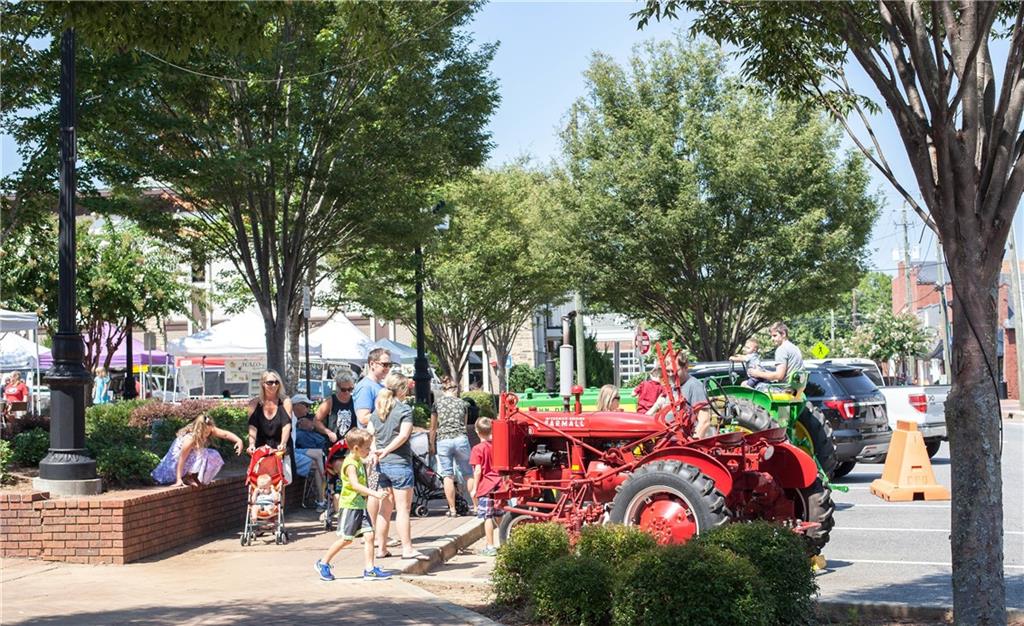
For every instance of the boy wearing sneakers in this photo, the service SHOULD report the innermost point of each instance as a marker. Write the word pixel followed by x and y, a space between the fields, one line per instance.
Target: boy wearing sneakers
pixel 353 520
pixel 486 480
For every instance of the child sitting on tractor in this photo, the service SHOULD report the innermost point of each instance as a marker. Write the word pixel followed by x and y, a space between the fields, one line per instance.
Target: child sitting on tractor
pixel 751 359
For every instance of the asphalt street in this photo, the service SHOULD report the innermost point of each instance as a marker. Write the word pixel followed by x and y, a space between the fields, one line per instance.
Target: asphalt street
pixel 899 552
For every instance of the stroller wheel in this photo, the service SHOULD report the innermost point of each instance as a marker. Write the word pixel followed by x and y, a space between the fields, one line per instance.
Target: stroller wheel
pixel 284 538
pixel 420 510
pixel 245 537
pixel 461 506
pixel 278 539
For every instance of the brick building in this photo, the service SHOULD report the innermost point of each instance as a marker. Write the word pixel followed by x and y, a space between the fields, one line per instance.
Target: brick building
pixel 926 303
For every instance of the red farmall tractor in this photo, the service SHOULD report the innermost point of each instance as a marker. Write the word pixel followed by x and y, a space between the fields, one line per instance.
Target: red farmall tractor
pixel 577 468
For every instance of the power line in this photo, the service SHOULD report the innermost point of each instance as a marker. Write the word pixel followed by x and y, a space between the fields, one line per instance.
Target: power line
pixel 301 76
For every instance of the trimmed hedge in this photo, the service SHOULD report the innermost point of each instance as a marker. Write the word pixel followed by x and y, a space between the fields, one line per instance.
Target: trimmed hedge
pixel 30 447
pixel 522 377
pixel 780 558
pixel 6 457
pixel 614 544
pixel 485 401
pixel 573 591
pixel 519 560
pixel 691 584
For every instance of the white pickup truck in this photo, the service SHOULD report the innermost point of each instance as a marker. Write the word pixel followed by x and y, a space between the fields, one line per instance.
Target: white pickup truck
pixel 924 405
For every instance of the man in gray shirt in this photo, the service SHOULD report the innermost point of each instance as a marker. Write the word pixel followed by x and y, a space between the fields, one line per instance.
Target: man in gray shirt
pixel 787 357
pixel 694 392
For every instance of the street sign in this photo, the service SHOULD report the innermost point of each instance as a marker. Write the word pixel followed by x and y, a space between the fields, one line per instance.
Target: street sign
pixel 643 342
pixel 820 350
pixel 306 304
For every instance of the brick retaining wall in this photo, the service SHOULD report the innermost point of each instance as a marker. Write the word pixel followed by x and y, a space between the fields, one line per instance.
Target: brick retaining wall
pixel 121 527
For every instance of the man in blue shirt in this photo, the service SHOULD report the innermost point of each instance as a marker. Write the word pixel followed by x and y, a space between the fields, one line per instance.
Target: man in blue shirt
pixel 378 364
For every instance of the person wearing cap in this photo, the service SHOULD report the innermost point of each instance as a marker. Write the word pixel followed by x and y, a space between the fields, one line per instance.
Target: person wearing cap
pixel 336 415
pixel 309 444
pixel 692 389
pixel 648 392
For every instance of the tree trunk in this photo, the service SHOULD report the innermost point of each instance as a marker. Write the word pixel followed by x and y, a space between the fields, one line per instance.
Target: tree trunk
pixel 974 420
pixel 292 374
pixel 276 333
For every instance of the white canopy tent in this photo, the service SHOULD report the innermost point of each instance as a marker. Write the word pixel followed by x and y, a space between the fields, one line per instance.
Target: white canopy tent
pixel 340 340
pixel 17 353
pixel 243 335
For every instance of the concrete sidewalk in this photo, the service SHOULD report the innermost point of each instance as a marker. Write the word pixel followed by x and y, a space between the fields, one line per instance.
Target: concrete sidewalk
pixel 220 582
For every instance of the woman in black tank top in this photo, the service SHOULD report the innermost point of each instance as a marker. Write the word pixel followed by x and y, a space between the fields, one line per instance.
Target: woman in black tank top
pixel 270 422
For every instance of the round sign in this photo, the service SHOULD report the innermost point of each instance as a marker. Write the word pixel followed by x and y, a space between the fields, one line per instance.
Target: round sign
pixel 643 342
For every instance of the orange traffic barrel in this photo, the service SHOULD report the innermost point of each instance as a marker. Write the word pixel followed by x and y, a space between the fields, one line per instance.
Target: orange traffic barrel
pixel 908 472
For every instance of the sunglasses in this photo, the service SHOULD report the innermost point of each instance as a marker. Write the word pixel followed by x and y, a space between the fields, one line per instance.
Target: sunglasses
pixel 271 383
pixel 346 389
pixel 385 364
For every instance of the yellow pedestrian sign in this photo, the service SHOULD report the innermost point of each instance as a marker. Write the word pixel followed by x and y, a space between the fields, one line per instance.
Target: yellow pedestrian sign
pixel 820 350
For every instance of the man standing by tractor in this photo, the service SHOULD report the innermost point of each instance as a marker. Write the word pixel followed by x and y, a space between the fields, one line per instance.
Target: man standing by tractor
pixel 787 357
pixel 693 391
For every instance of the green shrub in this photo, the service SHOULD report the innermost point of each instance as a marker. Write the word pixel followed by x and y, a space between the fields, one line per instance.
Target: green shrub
pixel 780 557
pixel 162 434
pixel 613 544
pixel 485 401
pixel 126 466
pixel 522 377
pixel 529 547
pixel 635 380
pixel 109 426
pixel 6 457
pixel 571 591
pixel 30 447
pixel 231 417
pixel 421 415
pixel 690 584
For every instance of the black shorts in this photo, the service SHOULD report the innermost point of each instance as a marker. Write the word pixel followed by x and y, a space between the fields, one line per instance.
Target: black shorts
pixel 354 523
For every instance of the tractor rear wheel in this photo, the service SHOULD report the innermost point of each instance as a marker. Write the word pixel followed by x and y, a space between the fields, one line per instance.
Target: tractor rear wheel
pixel 814 504
pixel 816 429
pixel 671 500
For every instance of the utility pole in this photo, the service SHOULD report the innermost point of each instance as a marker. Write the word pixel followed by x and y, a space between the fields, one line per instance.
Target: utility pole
pixel 853 308
pixel 911 362
pixel 832 331
pixel 1018 323
pixel 946 356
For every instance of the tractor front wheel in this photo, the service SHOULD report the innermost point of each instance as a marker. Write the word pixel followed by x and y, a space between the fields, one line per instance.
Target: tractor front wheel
pixel 509 521
pixel 671 500
pixel 814 504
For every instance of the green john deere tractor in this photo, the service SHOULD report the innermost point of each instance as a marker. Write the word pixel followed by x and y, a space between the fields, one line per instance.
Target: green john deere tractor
pixel 781 404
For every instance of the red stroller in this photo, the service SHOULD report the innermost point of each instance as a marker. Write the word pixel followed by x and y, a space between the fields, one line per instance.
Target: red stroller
pixel 265 496
pixel 337 451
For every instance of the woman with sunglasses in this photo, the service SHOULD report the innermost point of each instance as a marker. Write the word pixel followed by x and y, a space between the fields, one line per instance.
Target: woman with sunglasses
pixel 270 422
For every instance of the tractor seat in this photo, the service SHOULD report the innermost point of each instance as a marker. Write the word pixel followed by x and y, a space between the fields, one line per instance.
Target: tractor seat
pixel 784 396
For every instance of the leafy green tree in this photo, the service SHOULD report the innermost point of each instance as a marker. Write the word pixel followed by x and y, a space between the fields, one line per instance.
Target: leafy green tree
pixel 324 132
pixel 958 112
pixel 122 273
pixel 704 206
pixel 887 336
pixel 874 291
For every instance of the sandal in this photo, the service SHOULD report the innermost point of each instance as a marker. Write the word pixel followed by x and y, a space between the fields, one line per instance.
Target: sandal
pixel 450 513
pixel 385 555
pixel 416 556
pixel 393 543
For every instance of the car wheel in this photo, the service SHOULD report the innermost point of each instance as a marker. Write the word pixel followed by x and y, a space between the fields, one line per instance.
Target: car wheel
pixel 843 469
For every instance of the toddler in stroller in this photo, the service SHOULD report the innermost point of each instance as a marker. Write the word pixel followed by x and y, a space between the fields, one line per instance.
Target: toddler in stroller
pixel 332 485
pixel 429 485
pixel 265 496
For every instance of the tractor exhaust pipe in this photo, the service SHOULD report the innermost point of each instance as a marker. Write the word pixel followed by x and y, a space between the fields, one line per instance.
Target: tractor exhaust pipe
pixel 565 360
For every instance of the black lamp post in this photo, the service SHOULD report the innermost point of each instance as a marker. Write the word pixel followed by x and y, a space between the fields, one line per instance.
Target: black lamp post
pixel 67 468
pixel 421 376
pixel 129 391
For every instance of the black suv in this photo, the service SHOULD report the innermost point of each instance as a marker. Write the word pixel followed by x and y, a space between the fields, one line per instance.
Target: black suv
pixel 852 405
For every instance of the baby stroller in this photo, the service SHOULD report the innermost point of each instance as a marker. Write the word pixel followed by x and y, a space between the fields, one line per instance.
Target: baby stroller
pixel 265 460
pixel 428 483
pixel 338 450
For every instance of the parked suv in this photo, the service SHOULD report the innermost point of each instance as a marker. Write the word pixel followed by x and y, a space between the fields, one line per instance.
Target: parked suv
pixel 852 405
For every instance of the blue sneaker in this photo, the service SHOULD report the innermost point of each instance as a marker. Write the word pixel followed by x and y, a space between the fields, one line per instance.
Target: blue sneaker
pixel 324 570
pixel 376 574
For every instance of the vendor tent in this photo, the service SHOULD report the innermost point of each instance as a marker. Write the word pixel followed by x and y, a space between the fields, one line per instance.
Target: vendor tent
pixel 243 335
pixel 13 321
pixel 18 353
pixel 400 351
pixel 340 340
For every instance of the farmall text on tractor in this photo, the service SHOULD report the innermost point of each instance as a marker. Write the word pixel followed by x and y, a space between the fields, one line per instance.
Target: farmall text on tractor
pixel 577 468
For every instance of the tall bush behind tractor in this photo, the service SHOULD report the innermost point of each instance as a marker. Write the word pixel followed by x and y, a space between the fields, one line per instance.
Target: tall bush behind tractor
pixel 577 468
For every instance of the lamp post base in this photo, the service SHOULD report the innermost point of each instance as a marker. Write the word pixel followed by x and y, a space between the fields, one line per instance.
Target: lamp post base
pixel 86 487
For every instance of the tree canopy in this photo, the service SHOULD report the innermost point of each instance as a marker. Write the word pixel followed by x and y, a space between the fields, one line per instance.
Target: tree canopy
pixel 702 204
pixel 325 130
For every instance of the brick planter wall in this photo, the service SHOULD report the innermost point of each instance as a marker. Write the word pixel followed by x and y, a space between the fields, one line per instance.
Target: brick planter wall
pixel 121 527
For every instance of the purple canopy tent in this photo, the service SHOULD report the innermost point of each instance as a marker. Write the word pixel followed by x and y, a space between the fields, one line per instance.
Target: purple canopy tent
pixel 140 356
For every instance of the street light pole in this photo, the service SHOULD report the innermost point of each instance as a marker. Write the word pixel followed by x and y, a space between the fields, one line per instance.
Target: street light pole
pixel 67 469
pixel 129 392
pixel 421 376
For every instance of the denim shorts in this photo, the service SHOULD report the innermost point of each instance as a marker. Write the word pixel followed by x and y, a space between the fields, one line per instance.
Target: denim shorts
pixel 395 476
pixel 451 452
